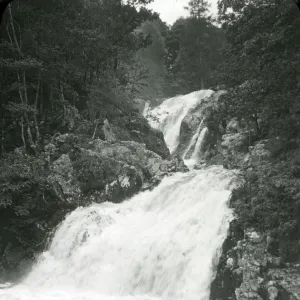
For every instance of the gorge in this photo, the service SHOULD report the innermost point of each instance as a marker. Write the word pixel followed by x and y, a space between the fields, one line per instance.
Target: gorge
pixel 121 179
pixel 156 230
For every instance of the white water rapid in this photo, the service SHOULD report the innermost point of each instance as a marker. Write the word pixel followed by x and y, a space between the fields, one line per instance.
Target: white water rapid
pixel 168 116
pixel 162 244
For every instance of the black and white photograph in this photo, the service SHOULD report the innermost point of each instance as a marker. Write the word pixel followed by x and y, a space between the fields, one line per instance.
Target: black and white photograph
pixel 149 149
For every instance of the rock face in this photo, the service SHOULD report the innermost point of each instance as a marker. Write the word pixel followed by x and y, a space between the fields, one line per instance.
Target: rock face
pixel 248 271
pixel 95 170
pixel 137 129
pixel 74 170
pixel 234 149
pixel 194 122
pixel 249 267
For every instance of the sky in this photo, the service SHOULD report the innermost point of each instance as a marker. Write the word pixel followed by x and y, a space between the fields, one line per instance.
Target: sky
pixel 171 10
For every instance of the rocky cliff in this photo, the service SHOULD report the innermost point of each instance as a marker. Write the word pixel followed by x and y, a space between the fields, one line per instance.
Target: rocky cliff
pixel 260 258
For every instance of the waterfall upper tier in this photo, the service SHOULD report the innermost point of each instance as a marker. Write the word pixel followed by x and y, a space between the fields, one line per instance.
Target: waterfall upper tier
pixel 182 121
pixel 168 116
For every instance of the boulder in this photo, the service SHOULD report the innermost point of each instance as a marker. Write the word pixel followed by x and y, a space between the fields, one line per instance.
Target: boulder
pixel 233 126
pixel 259 153
pixel 138 130
pixel 234 149
pixel 104 171
pixel 62 176
pixel 73 170
pixel 249 271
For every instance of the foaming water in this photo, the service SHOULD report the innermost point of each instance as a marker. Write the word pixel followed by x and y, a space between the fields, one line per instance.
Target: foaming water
pixel 193 140
pixel 162 244
pixel 199 143
pixel 168 116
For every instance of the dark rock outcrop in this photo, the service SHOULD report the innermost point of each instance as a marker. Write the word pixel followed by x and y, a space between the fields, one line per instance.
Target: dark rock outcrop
pixel 74 170
pixel 248 271
pixel 252 265
pixel 137 129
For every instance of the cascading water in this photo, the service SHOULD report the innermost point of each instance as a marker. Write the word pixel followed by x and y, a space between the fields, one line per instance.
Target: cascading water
pixel 193 140
pixel 168 116
pixel 146 109
pixel 160 245
pixel 195 155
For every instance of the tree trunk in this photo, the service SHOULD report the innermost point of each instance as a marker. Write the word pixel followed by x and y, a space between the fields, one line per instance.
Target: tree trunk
pixel 3 5
pixel 255 118
pixel 62 97
pixel 2 136
pixel 30 139
pixel 17 45
pixel 95 130
pixel 37 131
pixel 23 134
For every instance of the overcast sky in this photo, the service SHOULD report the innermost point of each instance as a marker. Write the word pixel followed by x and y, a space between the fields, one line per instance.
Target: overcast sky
pixel 171 10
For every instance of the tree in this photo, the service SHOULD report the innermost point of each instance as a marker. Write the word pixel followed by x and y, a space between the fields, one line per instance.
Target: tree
pixel 54 54
pixel 193 52
pixel 152 58
pixel 261 50
pixel 198 8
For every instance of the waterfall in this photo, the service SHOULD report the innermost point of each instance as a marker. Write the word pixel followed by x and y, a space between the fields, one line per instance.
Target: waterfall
pixel 146 109
pixel 162 244
pixel 198 147
pixel 193 140
pixel 168 116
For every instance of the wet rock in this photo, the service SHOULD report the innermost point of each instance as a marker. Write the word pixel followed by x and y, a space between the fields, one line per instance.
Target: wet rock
pixel 257 274
pixel 62 179
pixel 233 126
pixel 258 154
pixel 138 130
pixel 127 184
pixel 234 149
pixel 195 121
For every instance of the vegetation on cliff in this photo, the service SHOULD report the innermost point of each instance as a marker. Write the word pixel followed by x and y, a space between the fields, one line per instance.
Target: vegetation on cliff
pixel 261 74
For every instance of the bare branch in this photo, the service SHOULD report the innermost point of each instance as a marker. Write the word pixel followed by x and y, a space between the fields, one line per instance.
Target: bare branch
pixel 3 5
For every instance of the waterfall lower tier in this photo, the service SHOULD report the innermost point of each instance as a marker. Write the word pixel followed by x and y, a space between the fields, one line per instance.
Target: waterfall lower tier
pixel 161 244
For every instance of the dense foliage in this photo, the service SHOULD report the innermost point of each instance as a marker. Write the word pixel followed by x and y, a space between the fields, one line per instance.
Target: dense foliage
pixel 193 50
pixel 261 65
pixel 152 61
pixel 261 74
pixel 65 66
pixel 62 61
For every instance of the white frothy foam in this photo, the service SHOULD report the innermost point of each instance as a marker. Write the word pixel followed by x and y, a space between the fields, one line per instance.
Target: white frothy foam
pixel 168 116
pixel 162 244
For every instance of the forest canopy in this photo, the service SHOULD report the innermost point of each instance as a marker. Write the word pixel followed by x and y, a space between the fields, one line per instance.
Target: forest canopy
pixel 62 62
